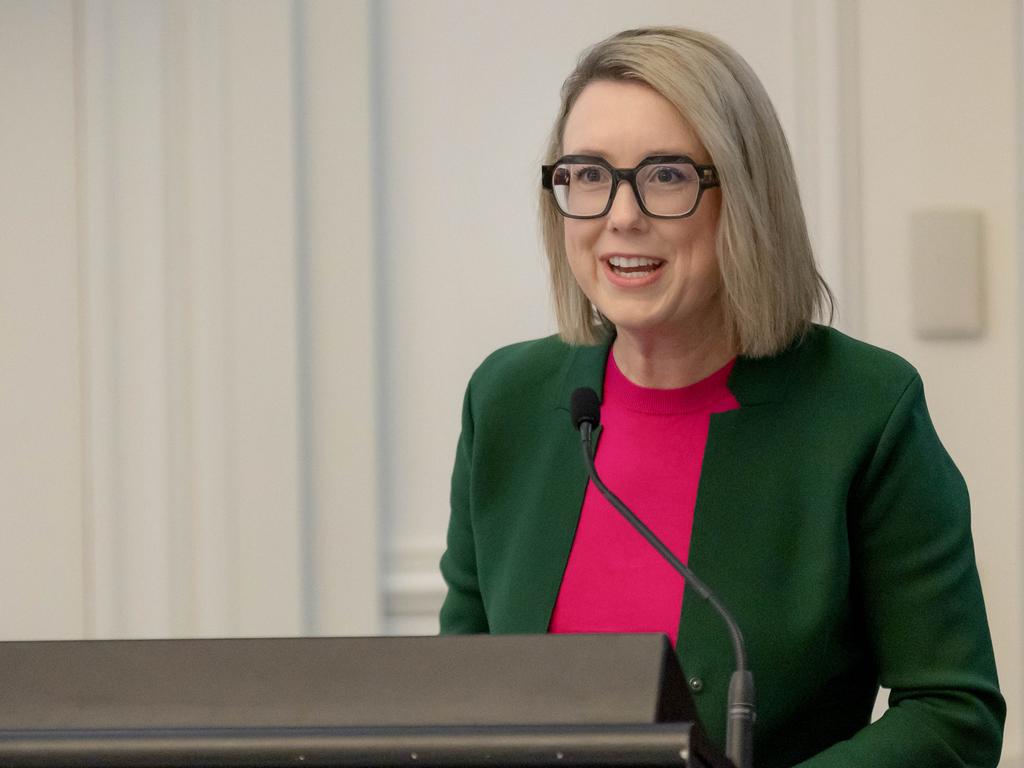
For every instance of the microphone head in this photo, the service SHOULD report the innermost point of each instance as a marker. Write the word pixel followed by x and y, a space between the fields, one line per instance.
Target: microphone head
pixel 585 406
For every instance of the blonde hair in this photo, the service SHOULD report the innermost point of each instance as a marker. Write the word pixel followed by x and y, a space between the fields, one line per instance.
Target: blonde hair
pixel 772 290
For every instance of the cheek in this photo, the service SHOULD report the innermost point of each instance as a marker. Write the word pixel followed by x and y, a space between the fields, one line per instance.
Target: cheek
pixel 696 238
pixel 580 237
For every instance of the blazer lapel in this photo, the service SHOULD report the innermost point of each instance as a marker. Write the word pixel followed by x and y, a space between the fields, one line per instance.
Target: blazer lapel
pixel 735 475
pixel 561 483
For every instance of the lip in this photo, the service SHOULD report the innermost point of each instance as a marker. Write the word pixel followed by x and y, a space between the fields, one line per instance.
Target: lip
pixel 629 282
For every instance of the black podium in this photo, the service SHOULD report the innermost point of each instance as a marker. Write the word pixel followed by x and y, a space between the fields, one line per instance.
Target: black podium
pixel 399 701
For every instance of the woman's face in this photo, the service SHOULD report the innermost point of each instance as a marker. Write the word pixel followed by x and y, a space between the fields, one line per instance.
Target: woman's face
pixel 678 287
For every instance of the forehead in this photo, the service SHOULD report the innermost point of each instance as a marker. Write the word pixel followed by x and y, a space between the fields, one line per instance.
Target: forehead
pixel 625 122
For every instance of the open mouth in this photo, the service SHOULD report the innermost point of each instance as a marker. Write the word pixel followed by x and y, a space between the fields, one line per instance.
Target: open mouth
pixel 634 267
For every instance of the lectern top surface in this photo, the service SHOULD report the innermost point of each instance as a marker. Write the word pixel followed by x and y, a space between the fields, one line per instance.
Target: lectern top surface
pixel 331 682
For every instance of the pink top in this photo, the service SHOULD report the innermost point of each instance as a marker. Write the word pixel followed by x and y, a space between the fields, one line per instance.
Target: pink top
pixel 649 454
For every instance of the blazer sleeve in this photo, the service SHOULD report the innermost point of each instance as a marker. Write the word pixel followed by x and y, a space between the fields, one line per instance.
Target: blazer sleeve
pixel 915 574
pixel 463 609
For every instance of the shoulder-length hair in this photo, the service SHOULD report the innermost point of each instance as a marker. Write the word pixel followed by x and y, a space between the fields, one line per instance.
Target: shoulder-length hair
pixel 772 290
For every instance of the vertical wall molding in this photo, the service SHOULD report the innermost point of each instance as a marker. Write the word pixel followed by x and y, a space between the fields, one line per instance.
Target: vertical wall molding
pixel 125 325
pixel 176 273
pixel 1015 717
pixel 344 383
pixel 847 131
pixel 263 383
pixel 138 257
pixel 204 554
pixel 187 226
pixel 414 587
pixel 133 307
pixel 301 138
pixel 826 144
pixel 93 69
pixel 41 459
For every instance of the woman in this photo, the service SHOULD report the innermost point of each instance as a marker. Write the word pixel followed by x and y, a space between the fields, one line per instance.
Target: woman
pixel 794 469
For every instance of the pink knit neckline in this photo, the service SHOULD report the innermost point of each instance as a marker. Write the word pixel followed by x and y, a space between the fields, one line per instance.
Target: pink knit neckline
pixel 698 396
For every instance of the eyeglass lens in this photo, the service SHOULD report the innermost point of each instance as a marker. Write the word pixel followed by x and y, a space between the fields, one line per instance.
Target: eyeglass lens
pixel 667 189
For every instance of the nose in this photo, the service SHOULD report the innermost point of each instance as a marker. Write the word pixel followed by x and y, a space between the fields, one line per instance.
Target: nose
pixel 625 212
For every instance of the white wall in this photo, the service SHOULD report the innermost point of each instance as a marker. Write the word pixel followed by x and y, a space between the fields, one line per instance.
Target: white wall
pixel 941 128
pixel 41 473
pixel 188 414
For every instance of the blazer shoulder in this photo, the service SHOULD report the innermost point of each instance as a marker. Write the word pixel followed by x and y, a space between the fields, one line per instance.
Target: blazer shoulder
pixel 521 371
pixel 852 368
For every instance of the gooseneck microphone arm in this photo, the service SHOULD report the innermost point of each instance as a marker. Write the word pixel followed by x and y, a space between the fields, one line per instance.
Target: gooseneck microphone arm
pixel 585 410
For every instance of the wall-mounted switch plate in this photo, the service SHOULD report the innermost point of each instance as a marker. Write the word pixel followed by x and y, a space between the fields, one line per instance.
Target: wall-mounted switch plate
pixel 947 273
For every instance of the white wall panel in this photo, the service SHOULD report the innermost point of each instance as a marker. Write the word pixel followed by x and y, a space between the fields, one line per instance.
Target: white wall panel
pixel 153 264
pixel 824 144
pixel 229 316
pixel 136 261
pixel 97 330
pixel 132 357
pixel 192 314
pixel 40 419
pixel 262 313
pixel 339 195
pixel 196 168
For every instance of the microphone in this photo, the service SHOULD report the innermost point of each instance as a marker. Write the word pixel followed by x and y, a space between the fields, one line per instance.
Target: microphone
pixel 585 410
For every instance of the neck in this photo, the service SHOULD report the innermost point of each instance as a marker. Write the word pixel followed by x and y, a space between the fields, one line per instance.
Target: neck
pixel 661 361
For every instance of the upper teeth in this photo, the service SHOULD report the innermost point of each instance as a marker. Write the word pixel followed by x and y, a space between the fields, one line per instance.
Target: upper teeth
pixel 632 261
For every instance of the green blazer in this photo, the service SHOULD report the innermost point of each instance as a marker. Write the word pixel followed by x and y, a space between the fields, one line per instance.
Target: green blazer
pixel 829 518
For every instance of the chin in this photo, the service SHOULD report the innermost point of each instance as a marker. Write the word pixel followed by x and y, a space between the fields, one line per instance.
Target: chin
pixel 642 325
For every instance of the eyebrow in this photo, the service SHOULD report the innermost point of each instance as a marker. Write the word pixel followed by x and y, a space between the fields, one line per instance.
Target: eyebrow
pixel 653 153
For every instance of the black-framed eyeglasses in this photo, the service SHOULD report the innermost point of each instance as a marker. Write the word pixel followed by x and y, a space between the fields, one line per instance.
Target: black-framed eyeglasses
pixel 665 186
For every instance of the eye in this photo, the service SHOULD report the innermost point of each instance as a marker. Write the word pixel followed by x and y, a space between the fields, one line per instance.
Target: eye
pixel 670 174
pixel 590 174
